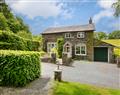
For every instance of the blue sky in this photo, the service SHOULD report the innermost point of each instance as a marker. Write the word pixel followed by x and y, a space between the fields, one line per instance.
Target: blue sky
pixel 41 14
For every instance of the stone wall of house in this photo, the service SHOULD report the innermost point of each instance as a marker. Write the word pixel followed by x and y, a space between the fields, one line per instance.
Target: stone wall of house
pixel 50 38
pixel 88 40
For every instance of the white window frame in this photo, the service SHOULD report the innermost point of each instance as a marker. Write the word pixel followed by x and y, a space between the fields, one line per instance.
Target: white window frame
pixel 81 35
pixel 50 44
pixel 68 35
pixel 81 45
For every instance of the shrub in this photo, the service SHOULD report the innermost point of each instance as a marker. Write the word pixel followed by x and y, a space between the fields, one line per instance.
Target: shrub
pixel 18 43
pixel 5 45
pixel 17 68
pixel 60 43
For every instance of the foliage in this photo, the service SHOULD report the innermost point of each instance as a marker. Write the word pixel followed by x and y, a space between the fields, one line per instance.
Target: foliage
pixel 6 11
pixel 115 42
pixel 114 35
pixel 18 43
pixel 54 50
pixel 62 88
pixel 116 6
pixel 60 43
pixel 15 24
pixel 24 34
pixel 23 26
pixel 5 45
pixel 17 68
pixel 37 37
pixel 100 35
pixel 3 22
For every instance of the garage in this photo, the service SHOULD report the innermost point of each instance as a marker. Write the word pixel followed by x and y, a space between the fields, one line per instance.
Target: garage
pixel 101 54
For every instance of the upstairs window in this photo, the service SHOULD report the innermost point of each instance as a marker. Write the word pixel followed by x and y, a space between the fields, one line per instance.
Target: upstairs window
pixel 81 35
pixel 67 35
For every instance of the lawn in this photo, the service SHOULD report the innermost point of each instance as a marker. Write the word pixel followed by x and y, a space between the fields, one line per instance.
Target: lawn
pixel 70 88
pixel 115 42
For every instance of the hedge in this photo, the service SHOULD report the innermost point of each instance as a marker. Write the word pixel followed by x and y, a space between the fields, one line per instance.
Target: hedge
pixel 60 43
pixel 5 45
pixel 17 43
pixel 18 68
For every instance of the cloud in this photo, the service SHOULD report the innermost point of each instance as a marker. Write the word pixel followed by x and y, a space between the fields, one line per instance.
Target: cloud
pixel 102 14
pixel 107 10
pixel 106 4
pixel 34 8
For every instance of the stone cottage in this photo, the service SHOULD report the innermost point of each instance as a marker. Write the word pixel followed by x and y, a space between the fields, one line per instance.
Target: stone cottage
pixel 79 42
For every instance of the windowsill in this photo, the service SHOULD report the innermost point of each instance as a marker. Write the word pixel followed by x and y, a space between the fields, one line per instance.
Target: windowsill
pixel 81 54
pixel 69 37
pixel 80 37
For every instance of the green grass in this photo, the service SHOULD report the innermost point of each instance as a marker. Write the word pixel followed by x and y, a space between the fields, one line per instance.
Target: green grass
pixel 115 42
pixel 70 88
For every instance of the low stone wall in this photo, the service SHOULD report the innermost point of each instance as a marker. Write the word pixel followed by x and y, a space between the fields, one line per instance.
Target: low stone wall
pixel 66 60
pixel 46 59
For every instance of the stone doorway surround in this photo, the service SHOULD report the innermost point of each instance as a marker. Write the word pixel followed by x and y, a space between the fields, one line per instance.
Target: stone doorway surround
pixel 67 49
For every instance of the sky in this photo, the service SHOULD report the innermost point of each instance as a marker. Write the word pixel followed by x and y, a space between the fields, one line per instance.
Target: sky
pixel 42 14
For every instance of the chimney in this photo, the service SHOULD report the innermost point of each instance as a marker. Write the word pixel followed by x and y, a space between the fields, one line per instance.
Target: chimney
pixel 90 20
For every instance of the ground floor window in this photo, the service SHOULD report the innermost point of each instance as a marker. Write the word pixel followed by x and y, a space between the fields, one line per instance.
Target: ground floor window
pixel 80 49
pixel 50 46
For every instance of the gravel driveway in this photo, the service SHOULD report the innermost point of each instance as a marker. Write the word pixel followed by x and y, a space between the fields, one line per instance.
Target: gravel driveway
pixel 97 73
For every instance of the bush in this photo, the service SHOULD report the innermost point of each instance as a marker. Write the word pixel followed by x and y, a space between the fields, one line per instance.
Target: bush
pixel 18 43
pixel 60 43
pixel 17 68
pixel 5 45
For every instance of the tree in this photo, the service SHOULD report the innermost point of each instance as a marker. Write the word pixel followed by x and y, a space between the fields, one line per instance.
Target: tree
pixel 100 35
pixel 7 11
pixel 23 26
pixel 114 35
pixel 116 6
pixel 24 34
pixel 3 22
pixel 15 24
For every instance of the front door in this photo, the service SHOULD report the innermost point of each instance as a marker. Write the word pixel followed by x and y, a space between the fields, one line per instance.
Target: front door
pixel 68 49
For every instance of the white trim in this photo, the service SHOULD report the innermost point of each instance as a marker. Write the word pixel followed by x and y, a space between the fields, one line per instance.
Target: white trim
pixel 82 34
pixel 68 34
pixel 108 55
pixel 81 44
pixel 69 53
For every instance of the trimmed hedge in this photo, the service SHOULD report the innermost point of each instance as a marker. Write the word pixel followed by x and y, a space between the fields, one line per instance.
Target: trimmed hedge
pixel 17 68
pixel 17 43
pixel 5 45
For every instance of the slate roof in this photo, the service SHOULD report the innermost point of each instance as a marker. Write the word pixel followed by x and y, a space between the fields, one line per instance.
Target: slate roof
pixel 74 28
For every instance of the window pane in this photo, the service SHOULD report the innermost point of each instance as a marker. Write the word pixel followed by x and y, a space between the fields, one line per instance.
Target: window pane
pixel 77 50
pixel 81 35
pixel 82 49
pixel 67 35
